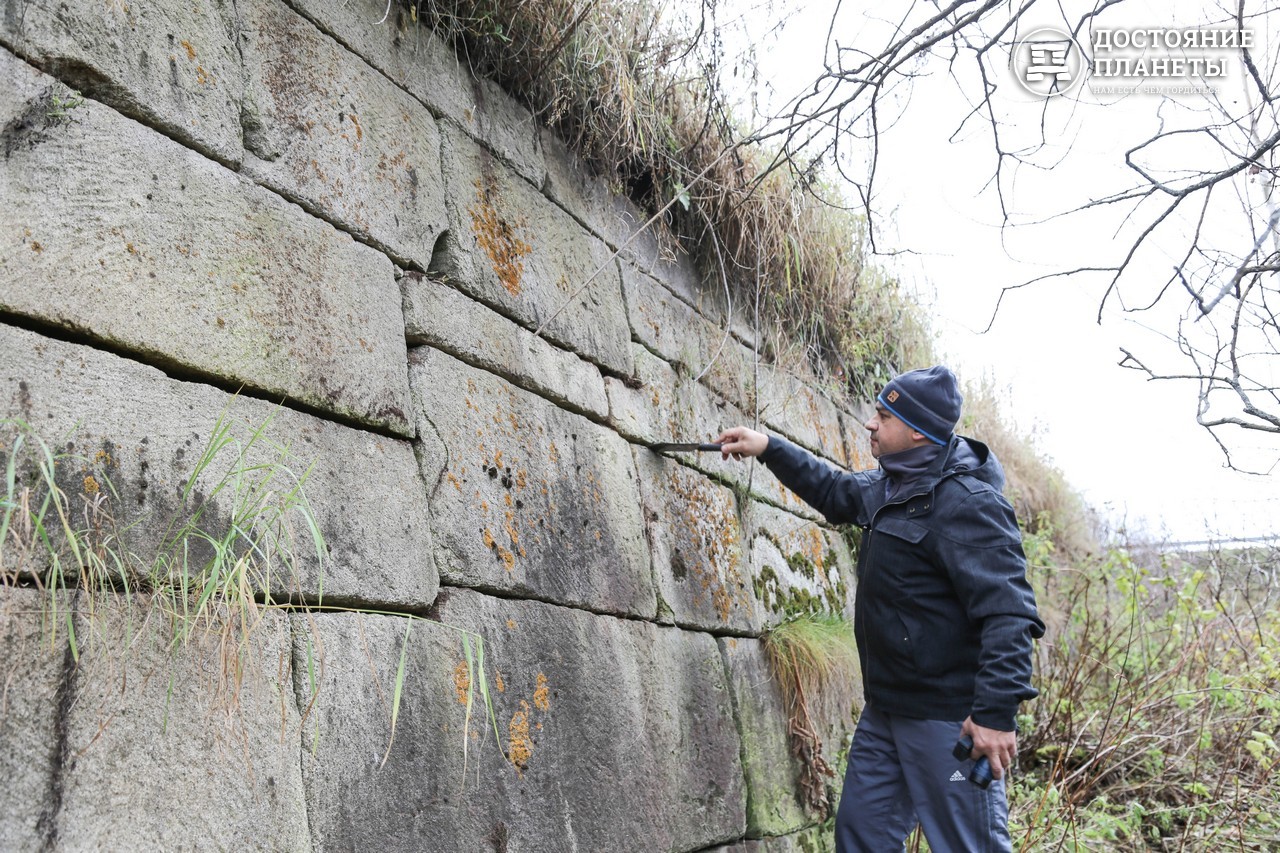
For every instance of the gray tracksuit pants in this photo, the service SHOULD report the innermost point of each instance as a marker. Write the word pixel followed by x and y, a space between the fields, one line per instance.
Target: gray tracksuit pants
pixel 901 771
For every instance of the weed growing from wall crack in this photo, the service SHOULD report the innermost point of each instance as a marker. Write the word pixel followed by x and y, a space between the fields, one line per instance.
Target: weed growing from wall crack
pixel 808 654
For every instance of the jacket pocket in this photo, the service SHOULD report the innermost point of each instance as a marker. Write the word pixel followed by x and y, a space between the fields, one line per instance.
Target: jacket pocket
pixel 904 529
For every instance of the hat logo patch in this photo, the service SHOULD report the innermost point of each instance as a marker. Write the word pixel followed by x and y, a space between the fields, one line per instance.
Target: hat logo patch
pixel 892 396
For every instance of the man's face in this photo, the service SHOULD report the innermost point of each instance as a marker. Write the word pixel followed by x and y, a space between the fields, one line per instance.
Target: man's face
pixel 889 434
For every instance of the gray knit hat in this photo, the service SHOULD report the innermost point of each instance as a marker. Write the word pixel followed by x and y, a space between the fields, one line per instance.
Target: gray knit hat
pixel 927 400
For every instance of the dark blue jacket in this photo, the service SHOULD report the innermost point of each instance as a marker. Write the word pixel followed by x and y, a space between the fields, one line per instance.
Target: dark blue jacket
pixel 944 616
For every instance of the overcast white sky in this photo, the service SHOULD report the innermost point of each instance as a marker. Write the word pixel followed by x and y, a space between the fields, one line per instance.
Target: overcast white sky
pixel 1132 447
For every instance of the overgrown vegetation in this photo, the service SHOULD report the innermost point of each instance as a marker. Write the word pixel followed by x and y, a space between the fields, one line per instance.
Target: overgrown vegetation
pixel 242 541
pixel 1157 722
pixel 638 95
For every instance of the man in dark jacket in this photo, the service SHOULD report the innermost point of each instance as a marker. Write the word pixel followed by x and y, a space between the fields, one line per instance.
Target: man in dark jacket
pixel 944 617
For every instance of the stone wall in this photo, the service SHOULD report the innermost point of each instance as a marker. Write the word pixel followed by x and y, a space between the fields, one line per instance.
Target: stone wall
pixel 305 219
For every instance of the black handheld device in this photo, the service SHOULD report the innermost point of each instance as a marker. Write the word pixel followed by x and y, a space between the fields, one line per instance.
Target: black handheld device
pixel 980 775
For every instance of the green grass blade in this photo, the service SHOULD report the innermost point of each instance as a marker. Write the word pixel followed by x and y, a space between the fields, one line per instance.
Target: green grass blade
pixel 399 687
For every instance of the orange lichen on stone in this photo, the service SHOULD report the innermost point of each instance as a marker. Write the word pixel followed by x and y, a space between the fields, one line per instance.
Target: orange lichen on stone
pixel 511 624
pixel 541 695
pixel 508 559
pixel 519 744
pixel 462 681
pixel 498 683
pixel 497 236
pixel 90 485
pixel 191 51
pixel 488 539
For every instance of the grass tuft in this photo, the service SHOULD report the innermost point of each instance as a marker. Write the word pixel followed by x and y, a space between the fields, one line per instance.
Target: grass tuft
pixel 809 655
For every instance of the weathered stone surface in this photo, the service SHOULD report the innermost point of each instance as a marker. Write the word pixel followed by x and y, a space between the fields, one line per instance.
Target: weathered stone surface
pixel 440 316
pixel 152 248
pixel 31 670
pixel 131 426
pixel 325 129
pixel 174 66
pixel 665 325
pixel 662 405
pixel 679 274
pixel 614 734
pixel 169 747
pixel 526 497
pixel 405 50
pixel 797 565
pixel 796 410
pixel 572 184
pixel 696 544
pixel 514 250
pixel 721 361
pixel 772 774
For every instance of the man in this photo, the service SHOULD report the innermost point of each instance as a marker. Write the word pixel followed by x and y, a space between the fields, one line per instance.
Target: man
pixel 944 617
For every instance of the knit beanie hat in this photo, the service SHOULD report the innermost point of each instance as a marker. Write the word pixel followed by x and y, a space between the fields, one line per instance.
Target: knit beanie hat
pixel 927 400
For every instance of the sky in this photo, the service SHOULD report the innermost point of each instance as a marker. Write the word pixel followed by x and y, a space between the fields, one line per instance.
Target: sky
pixel 1132 447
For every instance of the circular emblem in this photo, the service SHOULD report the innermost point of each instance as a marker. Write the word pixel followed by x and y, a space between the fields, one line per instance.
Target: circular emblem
pixel 1047 62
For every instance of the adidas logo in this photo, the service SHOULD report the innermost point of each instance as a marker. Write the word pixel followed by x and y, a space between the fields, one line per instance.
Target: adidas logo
pixel 957 776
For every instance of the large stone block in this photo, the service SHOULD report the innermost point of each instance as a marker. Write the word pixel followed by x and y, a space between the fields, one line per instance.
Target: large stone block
pixel 697 547
pixel 440 316
pixel 856 443
pixel 527 497
pixel 31 673
pixel 326 130
pixel 400 45
pixel 118 233
pixel 614 734
pixel 514 250
pixel 803 414
pixel 174 66
pixel 133 437
pixel 772 773
pixel 797 565
pixel 171 744
pixel 668 327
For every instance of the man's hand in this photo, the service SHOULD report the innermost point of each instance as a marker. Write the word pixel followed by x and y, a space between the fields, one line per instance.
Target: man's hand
pixel 999 747
pixel 740 441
